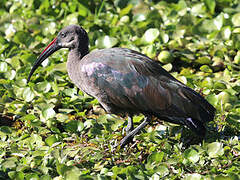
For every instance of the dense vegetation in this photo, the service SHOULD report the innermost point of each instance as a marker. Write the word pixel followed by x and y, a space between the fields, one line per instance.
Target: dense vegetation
pixel 51 130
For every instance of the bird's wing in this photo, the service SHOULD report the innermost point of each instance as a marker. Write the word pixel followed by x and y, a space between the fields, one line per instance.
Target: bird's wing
pixel 179 96
pixel 133 82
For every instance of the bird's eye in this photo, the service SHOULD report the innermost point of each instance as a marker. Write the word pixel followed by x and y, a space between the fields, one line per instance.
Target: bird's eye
pixel 63 35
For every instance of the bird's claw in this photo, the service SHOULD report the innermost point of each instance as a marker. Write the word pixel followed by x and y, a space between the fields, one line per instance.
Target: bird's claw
pixel 126 130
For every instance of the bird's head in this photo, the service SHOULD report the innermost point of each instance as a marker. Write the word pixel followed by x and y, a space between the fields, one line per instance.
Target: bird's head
pixel 72 37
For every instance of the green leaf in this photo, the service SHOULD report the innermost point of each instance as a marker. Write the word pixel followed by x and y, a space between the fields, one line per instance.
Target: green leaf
pixel 155 176
pixel 203 60
pixel 43 87
pixel 206 68
pixel 73 173
pixel 236 19
pixel 28 94
pixel 226 32
pixel 70 92
pixel 14 7
pixel 74 126
pixel 117 123
pixel 45 5
pixel 60 67
pixel 213 99
pixel 237 58
pixel 88 123
pixel 126 10
pixel 139 17
pixel 215 149
pixel 150 36
pixel 16 175
pixel 165 57
pixel 61 168
pixel 192 155
pixel 32 176
pixel 211 4
pixel 164 37
pixel 3 67
pixel 106 42
pixel 28 58
pixel 21 82
pixel 223 97
pixel 82 10
pixel 51 140
pixel 150 50
pixel 9 164
pixel 49 28
pixel 168 67
pixel 198 9
pixel 162 171
pixel 10 30
pixel 21 37
pixel 194 176
pixel 48 113
pixel 10 74
pixel 221 177
pixel 220 85
pixel 3 47
pixel 207 82
pixel 155 157
pixel 46 177
pixel 218 21
pixel 5 129
pixel 71 19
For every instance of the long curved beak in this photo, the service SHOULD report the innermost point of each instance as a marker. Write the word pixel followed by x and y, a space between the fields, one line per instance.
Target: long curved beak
pixel 50 49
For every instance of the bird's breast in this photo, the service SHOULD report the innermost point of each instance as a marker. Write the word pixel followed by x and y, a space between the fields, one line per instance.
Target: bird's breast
pixel 101 76
pixel 119 83
pixel 91 74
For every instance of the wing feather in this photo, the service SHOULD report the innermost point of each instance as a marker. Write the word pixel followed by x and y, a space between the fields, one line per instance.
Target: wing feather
pixel 132 82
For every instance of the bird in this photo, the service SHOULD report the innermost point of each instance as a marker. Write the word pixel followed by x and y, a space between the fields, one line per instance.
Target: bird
pixel 128 82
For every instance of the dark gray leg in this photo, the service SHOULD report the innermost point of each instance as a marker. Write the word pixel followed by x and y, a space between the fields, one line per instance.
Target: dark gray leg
pixel 129 127
pixel 131 134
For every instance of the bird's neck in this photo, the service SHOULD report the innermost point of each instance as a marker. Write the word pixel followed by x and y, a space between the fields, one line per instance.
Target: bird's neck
pixel 78 52
pixel 83 51
pixel 74 57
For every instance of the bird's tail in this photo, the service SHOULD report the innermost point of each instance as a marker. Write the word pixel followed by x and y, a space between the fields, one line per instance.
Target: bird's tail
pixel 206 110
pixel 196 126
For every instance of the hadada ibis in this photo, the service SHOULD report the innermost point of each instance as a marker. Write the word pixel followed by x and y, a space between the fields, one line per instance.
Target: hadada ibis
pixel 126 81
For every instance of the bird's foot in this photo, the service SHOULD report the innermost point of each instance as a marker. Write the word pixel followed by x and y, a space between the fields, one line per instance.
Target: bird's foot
pixel 127 130
pixel 129 127
pixel 128 138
